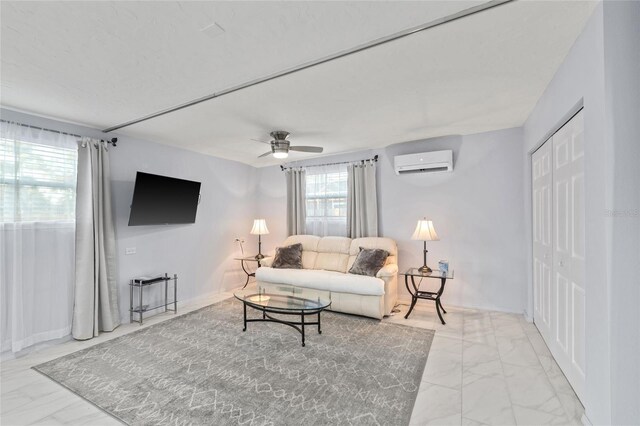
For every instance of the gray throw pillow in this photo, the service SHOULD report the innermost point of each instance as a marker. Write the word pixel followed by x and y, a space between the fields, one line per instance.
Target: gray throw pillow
pixel 289 257
pixel 369 261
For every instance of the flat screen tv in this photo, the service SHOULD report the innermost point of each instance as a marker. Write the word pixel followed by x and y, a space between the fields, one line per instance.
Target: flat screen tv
pixel 163 200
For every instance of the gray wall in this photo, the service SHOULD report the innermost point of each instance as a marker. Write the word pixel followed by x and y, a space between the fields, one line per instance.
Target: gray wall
pixel 477 211
pixel 201 253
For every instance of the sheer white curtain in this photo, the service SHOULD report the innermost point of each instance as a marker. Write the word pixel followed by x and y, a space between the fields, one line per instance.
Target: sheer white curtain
pixel 326 196
pixel 37 235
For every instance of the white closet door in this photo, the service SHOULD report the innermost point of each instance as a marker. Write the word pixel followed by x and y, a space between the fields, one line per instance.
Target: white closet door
pixel 568 254
pixel 542 232
pixel 558 262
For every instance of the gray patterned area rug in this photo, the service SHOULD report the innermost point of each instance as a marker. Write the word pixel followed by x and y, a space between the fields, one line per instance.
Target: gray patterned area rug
pixel 201 369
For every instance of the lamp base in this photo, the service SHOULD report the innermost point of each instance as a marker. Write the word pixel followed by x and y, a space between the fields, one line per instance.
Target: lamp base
pixel 425 269
pixel 259 256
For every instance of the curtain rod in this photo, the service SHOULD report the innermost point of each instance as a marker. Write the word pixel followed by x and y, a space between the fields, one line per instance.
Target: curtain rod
pixel 112 141
pixel 374 160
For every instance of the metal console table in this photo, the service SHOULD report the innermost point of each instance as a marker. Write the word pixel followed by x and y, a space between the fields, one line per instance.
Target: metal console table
pixel 140 284
pixel 416 293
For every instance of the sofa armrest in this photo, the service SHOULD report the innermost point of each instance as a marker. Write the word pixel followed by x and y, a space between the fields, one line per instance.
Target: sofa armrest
pixel 267 261
pixel 387 271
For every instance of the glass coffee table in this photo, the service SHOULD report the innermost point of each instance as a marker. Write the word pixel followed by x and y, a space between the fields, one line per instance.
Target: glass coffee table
pixel 298 305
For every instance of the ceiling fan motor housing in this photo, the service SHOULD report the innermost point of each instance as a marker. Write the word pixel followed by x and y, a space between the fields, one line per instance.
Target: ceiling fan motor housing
pixel 280 146
pixel 279 135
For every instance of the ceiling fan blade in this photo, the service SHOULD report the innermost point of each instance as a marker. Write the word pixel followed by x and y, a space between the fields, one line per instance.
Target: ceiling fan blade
pixel 265 154
pixel 306 148
pixel 258 140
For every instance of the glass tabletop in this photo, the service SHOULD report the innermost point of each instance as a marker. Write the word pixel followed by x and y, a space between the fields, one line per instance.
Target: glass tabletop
pixel 298 301
pixel 415 272
pixel 249 258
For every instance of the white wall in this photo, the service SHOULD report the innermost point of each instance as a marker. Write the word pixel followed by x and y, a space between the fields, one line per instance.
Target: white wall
pixel 602 71
pixel 201 253
pixel 581 77
pixel 477 211
pixel 271 200
pixel 622 94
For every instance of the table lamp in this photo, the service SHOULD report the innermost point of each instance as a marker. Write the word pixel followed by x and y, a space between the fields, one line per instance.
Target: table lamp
pixel 259 229
pixel 425 232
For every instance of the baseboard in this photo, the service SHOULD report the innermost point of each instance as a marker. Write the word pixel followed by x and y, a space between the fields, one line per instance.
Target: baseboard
pixel 528 317
pixel 200 298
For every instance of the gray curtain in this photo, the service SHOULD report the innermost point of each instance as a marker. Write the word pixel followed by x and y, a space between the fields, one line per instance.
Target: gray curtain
pixel 296 205
pixel 96 296
pixel 362 201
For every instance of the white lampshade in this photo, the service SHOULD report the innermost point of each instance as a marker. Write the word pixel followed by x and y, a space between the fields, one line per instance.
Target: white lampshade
pixel 425 231
pixel 259 227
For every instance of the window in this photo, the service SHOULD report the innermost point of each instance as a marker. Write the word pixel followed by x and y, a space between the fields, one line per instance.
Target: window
pixel 326 200
pixel 37 181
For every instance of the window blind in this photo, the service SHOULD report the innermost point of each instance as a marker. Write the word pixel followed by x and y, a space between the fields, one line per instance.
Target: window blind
pixel 326 200
pixel 37 182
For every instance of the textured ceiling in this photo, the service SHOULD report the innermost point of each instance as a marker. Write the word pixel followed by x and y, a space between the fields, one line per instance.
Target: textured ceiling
pixel 103 63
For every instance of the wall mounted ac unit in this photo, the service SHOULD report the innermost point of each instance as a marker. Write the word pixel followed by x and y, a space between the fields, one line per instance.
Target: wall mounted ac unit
pixel 424 162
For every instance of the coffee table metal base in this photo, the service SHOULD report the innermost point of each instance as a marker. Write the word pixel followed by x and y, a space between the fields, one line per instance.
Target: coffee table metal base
pixel 298 325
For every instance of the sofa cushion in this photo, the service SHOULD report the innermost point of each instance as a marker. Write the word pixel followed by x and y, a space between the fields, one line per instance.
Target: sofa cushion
pixel 333 254
pixel 388 270
pixel 323 280
pixel 309 248
pixel 289 257
pixel 369 262
pixel 309 242
pixel 373 243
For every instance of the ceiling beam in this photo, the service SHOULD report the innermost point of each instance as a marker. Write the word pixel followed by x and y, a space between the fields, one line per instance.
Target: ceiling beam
pixel 374 43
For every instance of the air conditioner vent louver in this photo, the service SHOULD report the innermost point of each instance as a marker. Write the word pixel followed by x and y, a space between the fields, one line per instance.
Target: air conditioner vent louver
pixel 424 162
pixel 431 170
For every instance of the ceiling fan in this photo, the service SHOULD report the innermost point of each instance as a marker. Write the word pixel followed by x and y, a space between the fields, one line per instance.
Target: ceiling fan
pixel 280 146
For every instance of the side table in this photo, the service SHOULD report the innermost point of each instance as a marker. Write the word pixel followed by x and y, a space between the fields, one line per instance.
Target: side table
pixel 248 259
pixel 143 282
pixel 416 293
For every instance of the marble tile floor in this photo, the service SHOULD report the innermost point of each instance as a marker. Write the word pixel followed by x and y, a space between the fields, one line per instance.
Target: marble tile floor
pixel 489 368
pixel 484 368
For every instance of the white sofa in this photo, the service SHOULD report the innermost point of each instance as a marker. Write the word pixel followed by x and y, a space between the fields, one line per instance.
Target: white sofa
pixel 326 262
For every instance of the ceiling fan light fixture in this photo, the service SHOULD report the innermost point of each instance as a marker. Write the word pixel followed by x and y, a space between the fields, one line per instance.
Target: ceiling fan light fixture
pixel 280 146
pixel 280 153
